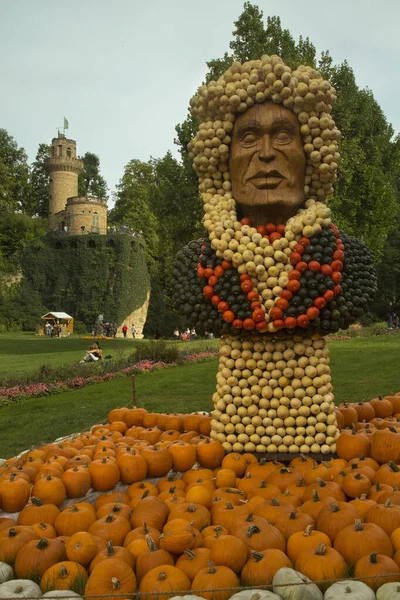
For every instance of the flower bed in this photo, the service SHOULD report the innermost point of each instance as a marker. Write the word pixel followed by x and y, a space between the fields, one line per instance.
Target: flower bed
pixel 17 393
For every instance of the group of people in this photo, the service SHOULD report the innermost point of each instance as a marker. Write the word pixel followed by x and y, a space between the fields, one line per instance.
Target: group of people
pixel 188 334
pixel 125 330
pixel 53 330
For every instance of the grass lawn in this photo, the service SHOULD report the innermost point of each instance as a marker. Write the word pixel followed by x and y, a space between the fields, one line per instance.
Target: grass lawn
pixel 362 368
pixel 22 353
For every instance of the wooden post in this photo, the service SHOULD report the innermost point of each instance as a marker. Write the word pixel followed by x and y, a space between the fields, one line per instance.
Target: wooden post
pixel 134 398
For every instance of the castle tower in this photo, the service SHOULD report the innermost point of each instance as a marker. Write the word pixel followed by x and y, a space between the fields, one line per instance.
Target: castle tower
pixel 64 168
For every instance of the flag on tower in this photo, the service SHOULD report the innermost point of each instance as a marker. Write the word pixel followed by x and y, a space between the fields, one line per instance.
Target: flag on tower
pixel 66 125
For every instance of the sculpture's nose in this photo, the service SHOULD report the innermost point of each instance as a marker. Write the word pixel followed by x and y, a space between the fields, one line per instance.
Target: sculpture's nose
pixel 267 151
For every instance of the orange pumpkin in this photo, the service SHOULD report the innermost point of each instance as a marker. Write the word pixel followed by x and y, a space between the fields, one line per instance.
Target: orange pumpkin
pixel 160 581
pixel 262 566
pixel 111 577
pixel 66 575
pixel 214 578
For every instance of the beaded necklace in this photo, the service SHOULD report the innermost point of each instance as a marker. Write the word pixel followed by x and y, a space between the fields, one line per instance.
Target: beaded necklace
pixel 273 261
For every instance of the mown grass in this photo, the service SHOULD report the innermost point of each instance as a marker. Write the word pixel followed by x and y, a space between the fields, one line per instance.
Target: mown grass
pixel 362 368
pixel 23 353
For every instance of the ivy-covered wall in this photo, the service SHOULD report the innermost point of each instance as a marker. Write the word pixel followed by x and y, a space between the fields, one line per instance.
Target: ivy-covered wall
pixel 86 276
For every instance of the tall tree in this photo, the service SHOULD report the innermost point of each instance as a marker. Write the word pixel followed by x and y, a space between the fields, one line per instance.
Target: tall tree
pixel 90 181
pixel 39 183
pixel 14 174
pixel 132 205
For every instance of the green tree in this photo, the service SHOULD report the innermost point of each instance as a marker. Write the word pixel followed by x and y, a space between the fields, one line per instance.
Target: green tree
pixel 133 207
pixel 14 174
pixel 39 183
pixel 90 181
pixel 176 206
pixel 16 231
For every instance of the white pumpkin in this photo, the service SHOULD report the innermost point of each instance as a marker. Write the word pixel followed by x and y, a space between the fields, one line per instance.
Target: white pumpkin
pixel 350 590
pixel 62 594
pixel 20 588
pixel 255 595
pixel 6 572
pixel 284 584
pixel 388 591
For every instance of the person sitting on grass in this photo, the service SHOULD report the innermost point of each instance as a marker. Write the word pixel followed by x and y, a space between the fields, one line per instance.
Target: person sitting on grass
pixel 93 354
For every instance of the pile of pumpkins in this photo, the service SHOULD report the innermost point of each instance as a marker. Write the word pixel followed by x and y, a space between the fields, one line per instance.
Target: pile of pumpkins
pixel 175 515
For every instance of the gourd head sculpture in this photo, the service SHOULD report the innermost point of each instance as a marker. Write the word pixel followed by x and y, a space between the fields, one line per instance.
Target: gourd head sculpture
pixel 266 154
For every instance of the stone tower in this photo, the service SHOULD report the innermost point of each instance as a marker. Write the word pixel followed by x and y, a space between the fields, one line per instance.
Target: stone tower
pixel 64 168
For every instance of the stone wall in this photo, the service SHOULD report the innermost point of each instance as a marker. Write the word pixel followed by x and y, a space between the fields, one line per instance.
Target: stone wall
pixel 88 213
pixel 138 317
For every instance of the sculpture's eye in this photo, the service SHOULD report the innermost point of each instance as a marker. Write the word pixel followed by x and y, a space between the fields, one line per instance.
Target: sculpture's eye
pixel 283 136
pixel 249 138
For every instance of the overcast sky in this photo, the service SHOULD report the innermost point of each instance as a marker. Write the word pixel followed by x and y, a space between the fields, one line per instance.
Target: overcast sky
pixel 122 71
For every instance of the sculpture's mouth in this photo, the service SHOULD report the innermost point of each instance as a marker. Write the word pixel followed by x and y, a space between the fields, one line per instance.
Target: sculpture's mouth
pixel 267 179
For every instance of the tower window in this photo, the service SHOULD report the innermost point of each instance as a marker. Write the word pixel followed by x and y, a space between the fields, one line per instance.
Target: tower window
pixel 68 152
pixel 95 221
pixel 59 150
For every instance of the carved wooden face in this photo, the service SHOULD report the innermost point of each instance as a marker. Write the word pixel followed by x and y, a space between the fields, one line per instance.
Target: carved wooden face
pixel 267 163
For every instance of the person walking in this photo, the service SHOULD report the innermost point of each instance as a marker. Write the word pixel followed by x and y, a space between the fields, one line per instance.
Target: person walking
pixel 133 330
pixel 124 330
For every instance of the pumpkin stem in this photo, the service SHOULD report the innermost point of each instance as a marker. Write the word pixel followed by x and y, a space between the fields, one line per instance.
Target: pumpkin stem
pixel 115 583
pixel 211 567
pixel 363 497
pixel 293 515
pixel 250 518
pixel 275 502
pixel 308 531
pixel 257 555
pixel 321 550
pixel 162 576
pixel 12 532
pixel 315 496
pixel 334 507
pixel 357 476
pixel 229 506
pixel 252 530
pixel 191 508
pixel 74 508
pixel 42 544
pixel 393 465
pixel 190 554
pixel 150 543
pixel 358 525
pixel 373 558
pixel 63 573
pixel 321 482
pixel 110 548
pixel 36 501
pixel 388 503
pixel 116 508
